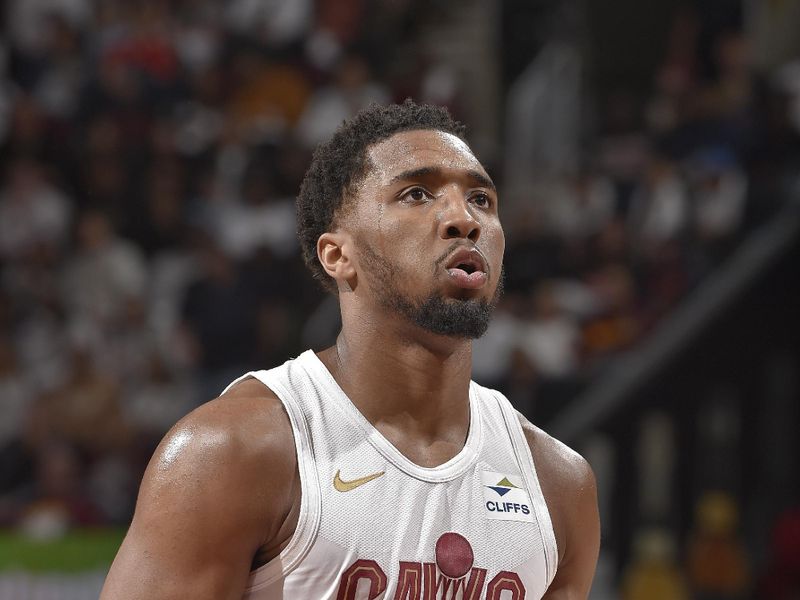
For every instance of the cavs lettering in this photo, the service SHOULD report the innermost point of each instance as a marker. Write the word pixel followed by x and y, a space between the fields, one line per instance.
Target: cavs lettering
pixel 451 577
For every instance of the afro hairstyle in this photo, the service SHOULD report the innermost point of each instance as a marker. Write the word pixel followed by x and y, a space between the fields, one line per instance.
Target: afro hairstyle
pixel 339 165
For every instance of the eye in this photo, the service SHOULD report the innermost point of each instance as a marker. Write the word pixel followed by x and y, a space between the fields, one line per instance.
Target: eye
pixel 481 199
pixel 416 194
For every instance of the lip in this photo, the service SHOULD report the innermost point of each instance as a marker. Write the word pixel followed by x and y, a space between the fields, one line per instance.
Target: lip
pixel 467 257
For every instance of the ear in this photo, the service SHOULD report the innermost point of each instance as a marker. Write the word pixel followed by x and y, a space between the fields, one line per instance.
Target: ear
pixel 334 254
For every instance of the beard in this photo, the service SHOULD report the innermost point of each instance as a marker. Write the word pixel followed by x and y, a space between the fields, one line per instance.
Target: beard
pixel 453 317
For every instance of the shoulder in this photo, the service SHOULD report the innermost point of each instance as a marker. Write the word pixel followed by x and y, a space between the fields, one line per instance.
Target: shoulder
pixel 562 465
pixel 231 451
pixel 246 424
pixel 219 493
pixel 567 481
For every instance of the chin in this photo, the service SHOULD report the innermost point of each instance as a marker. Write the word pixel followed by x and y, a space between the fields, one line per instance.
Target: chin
pixel 453 317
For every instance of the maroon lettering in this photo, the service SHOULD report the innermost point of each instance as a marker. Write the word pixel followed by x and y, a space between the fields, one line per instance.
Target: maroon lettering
pixel 451 576
pixel 362 569
pixel 409 582
pixel 505 580
pixel 429 591
pixel 475 584
pixel 433 582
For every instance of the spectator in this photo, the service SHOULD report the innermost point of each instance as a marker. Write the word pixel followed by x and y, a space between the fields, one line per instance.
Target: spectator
pixel 86 411
pixel 660 206
pixel 268 99
pixel 32 211
pixel 351 90
pixel 550 338
pixel 16 394
pixel 492 353
pixel 653 573
pixel 222 342
pixel 260 220
pixel 274 22
pixel 58 499
pixel 717 563
pixel 617 325
pixel 580 206
pixel 106 274
pixel 157 400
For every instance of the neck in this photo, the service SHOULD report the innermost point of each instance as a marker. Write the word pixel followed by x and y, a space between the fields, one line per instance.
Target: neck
pixel 404 379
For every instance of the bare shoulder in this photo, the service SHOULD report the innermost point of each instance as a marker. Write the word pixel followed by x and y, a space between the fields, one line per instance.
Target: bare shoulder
pixel 560 466
pixel 568 485
pixel 243 430
pixel 234 453
pixel 219 493
pixel 570 491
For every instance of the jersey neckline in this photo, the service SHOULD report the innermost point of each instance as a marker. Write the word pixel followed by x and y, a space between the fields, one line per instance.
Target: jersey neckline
pixel 447 471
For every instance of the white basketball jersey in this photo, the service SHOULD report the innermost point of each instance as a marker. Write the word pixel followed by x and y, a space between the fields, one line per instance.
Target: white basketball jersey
pixel 373 524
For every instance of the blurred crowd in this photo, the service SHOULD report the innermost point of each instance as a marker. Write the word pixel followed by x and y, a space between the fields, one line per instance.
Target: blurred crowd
pixel 150 154
pixel 671 180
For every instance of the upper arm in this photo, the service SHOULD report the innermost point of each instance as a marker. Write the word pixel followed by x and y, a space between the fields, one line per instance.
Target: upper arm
pixel 570 490
pixel 207 503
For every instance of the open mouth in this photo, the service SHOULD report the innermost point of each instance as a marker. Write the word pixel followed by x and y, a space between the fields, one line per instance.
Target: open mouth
pixel 468 260
pixel 467 268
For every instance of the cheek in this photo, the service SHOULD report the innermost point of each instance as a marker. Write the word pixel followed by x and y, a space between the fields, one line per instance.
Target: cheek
pixel 371 228
pixel 411 253
pixel 495 241
pixel 401 240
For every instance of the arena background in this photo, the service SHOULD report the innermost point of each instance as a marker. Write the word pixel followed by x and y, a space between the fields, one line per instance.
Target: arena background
pixel 647 155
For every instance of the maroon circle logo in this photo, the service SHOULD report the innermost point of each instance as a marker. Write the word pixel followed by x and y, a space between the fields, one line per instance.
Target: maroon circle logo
pixel 454 555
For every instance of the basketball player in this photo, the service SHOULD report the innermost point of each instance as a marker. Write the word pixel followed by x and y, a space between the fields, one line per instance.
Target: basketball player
pixel 375 468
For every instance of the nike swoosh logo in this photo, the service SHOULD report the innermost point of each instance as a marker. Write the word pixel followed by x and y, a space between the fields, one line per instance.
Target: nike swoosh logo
pixel 346 486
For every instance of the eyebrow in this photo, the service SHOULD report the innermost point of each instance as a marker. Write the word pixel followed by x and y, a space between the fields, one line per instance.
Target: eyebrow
pixel 422 172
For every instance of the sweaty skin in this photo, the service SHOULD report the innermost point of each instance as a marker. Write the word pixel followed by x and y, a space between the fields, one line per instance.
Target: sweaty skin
pixel 222 492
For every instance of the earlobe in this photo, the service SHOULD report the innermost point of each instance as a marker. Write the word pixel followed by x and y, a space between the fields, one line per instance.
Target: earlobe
pixel 333 252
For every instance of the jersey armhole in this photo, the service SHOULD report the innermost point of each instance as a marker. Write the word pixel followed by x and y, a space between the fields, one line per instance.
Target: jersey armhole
pixel 310 499
pixel 529 475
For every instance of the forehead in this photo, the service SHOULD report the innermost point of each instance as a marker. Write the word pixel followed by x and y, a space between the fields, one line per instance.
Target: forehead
pixel 408 150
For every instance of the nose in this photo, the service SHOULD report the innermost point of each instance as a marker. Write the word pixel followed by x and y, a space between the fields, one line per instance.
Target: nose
pixel 457 221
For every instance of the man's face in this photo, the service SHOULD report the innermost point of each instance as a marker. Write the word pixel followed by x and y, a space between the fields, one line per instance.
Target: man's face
pixel 429 244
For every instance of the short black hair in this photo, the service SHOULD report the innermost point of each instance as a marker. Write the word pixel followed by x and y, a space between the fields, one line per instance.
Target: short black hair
pixel 341 163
